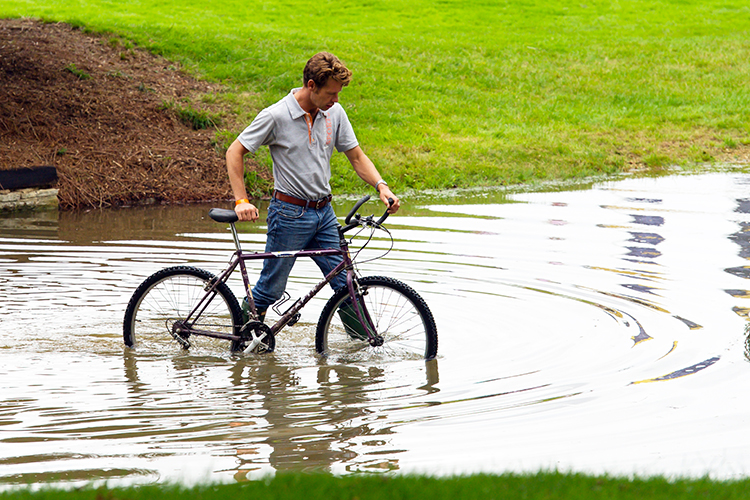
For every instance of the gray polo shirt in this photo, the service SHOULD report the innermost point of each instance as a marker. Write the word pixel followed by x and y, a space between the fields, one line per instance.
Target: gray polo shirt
pixel 301 153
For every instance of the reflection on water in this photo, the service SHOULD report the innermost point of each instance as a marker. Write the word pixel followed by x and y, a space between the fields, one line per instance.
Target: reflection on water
pixel 265 408
pixel 601 330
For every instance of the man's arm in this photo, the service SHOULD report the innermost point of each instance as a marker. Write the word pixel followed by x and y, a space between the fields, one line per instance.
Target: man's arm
pixel 246 211
pixel 367 172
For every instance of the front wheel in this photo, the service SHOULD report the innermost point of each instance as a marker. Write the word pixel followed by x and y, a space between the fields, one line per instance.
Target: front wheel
pixel 403 322
pixel 160 305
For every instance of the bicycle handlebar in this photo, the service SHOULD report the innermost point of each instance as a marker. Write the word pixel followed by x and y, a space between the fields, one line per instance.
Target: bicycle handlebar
pixel 362 201
pixel 386 213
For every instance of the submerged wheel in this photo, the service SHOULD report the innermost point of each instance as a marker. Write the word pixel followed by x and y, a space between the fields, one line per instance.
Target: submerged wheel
pixel 158 306
pixel 405 326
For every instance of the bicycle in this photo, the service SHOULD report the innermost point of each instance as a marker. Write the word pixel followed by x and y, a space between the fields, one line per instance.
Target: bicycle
pixel 186 305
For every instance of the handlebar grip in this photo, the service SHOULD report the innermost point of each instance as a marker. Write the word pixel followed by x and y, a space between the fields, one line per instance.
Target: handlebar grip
pixel 386 214
pixel 361 202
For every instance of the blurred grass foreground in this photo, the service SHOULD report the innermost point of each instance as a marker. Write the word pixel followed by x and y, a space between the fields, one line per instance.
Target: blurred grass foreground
pixel 548 486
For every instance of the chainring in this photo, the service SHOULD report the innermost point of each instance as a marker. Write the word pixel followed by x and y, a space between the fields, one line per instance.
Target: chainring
pixel 254 329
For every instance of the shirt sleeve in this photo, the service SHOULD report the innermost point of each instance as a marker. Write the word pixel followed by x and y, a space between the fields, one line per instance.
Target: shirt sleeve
pixel 259 132
pixel 345 138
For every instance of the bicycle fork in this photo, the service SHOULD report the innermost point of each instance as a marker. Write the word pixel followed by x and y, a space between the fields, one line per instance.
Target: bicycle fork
pixel 363 315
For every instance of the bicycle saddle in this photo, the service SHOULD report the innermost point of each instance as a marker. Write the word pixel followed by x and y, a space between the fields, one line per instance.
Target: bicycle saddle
pixel 223 215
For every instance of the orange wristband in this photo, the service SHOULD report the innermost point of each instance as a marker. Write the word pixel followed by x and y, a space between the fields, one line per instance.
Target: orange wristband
pixel 243 200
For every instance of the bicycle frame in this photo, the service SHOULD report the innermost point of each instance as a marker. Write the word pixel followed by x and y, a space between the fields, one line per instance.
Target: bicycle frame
pixel 240 257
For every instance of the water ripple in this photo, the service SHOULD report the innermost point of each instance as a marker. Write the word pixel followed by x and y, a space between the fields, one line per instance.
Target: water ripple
pixel 598 330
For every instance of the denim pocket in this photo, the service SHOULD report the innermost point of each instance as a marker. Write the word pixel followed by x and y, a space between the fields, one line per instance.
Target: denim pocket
pixel 285 210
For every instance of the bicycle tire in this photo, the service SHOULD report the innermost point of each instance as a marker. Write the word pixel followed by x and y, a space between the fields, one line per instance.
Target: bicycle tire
pixel 399 314
pixel 167 296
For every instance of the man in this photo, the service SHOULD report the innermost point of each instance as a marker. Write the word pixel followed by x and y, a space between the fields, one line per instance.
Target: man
pixel 301 131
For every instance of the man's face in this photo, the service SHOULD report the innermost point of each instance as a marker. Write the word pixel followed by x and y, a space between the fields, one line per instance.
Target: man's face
pixel 326 96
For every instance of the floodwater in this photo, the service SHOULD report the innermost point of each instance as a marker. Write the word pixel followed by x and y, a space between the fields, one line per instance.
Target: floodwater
pixel 597 330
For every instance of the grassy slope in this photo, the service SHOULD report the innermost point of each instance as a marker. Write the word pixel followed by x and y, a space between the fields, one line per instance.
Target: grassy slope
pixel 450 92
pixel 469 92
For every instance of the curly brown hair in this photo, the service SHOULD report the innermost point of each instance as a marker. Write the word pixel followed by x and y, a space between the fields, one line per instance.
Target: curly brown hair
pixel 323 66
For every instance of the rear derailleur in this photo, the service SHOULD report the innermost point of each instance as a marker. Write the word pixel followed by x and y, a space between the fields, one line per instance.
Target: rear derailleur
pixel 180 333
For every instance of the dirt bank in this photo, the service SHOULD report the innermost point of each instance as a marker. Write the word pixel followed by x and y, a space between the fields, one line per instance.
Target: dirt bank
pixel 93 107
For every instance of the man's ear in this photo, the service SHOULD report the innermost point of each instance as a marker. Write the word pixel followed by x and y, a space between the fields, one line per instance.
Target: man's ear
pixel 311 85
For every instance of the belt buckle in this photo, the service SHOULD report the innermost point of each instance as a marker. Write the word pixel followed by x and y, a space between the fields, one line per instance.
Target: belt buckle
pixel 319 203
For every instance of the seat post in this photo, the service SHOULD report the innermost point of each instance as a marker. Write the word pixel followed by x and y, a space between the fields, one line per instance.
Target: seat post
pixel 236 238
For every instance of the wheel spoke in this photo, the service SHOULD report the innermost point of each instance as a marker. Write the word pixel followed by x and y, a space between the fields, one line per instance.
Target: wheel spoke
pixel 169 296
pixel 399 315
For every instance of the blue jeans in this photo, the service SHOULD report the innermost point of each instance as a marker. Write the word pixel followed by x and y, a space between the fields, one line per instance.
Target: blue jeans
pixel 291 227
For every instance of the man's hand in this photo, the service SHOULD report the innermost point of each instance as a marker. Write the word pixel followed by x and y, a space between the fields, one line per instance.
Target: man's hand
pixel 247 212
pixel 386 193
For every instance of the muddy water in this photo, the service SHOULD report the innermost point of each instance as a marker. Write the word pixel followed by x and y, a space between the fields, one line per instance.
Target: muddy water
pixel 599 330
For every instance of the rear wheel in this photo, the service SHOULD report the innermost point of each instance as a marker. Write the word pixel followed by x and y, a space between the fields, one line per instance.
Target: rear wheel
pixel 404 324
pixel 158 308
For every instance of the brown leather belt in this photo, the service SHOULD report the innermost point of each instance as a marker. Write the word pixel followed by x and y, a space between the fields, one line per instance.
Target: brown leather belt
pixel 316 204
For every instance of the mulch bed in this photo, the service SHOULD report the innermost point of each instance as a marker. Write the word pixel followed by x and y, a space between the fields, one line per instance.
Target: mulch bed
pixel 94 109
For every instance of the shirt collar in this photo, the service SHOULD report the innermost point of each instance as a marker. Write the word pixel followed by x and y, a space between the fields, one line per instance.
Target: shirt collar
pixel 295 109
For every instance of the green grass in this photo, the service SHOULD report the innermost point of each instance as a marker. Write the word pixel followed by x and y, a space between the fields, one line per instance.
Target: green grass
pixel 82 75
pixel 548 486
pixel 197 119
pixel 472 92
